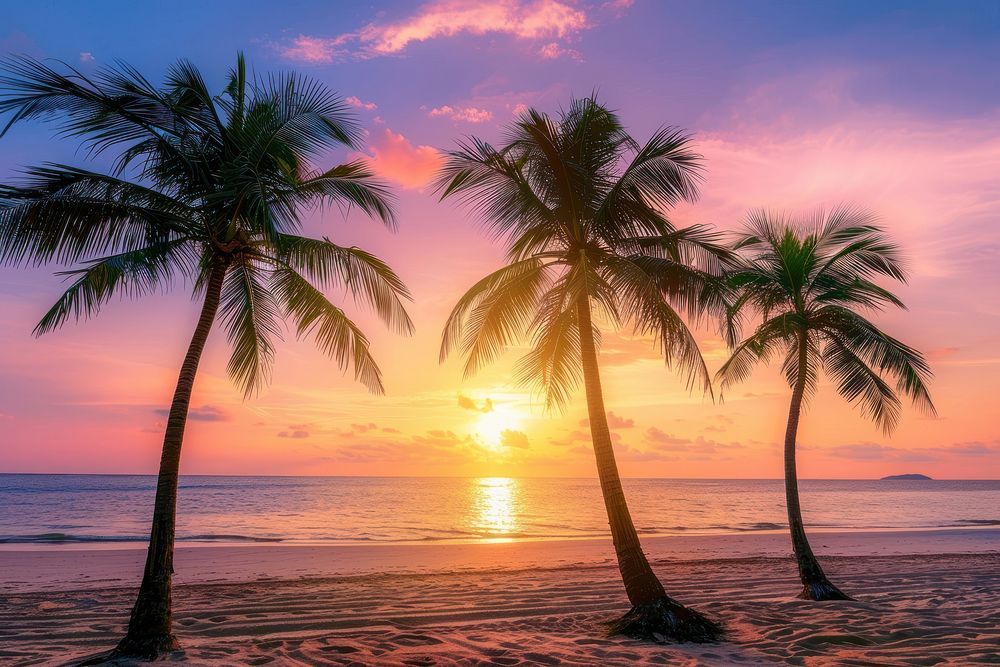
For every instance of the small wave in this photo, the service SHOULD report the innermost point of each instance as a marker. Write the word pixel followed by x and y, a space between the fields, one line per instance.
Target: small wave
pixel 61 538
pixel 55 538
pixel 723 528
pixel 978 522
pixel 763 525
pixel 228 538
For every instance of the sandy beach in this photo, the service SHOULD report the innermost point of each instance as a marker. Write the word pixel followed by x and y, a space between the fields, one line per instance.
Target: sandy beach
pixel 924 598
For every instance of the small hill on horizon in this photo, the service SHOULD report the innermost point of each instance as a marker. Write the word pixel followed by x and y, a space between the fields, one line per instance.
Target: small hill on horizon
pixel 911 475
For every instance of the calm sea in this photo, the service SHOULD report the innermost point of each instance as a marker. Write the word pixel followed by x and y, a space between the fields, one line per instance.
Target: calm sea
pixel 108 509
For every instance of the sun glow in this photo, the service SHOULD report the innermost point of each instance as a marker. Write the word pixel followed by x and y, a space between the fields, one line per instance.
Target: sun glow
pixel 490 426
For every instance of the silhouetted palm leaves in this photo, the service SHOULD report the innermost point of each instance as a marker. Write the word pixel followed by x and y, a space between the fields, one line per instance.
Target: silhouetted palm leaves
pixel 208 190
pixel 579 205
pixel 806 280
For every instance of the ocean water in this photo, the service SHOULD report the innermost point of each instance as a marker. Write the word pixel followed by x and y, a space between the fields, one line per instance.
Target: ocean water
pixel 104 510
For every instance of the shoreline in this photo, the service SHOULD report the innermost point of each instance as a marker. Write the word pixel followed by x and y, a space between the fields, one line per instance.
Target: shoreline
pixel 47 541
pixel 42 542
pixel 44 568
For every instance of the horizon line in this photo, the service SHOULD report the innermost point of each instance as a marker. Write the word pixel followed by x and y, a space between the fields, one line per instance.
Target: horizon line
pixel 741 479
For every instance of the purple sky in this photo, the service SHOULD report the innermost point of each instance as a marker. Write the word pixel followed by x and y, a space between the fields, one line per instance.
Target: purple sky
pixel 893 106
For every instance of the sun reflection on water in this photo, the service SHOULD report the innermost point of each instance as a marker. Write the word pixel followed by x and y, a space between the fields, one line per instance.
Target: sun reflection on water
pixel 494 501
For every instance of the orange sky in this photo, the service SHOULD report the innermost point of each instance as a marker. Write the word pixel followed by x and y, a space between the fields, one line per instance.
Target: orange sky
pixel 795 134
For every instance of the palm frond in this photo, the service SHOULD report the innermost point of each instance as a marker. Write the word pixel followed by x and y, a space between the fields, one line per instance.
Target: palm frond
pixel 553 364
pixel 501 316
pixel 131 274
pixel 793 369
pixel 698 246
pixel 644 290
pixel 661 174
pixel 252 318
pixel 547 166
pixel 492 183
pixel 235 100
pixel 292 118
pixel 858 383
pixel 365 276
pixel 189 93
pixel 515 277
pixel 66 214
pixel 354 184
pixel 759 347
pixel 842 290
pixel 881 351
pixel 336 335
pixel 117 107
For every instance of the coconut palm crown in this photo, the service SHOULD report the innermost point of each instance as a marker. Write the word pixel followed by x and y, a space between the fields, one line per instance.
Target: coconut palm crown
pixel 579 203
pixel 809 281
pixel 203 189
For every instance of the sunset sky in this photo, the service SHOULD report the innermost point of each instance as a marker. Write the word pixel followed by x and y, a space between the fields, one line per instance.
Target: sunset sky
pixel 893 106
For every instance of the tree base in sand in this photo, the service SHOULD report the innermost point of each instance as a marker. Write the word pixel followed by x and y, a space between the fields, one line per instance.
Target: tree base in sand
pixel 130 650
pixel 666 621
pixel 823 590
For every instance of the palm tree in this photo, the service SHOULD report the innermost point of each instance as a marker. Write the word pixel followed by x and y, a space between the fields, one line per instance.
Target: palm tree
pixel 807 280
pixel 209 189
pixel 577 201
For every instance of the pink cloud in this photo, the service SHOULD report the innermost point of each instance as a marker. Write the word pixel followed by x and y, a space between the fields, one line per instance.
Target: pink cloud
pixel 315 49
pixel 531 20
pixel 395 158
pixel 356 102
pixel 467 114
pixel 554 50
pixel 447 18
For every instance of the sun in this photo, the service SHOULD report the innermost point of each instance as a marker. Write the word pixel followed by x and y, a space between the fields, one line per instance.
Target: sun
pixel 489 427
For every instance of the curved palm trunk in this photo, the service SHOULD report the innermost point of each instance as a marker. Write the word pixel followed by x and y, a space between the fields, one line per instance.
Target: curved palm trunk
pixel 149 629
pixel 654 614
pixel 815 584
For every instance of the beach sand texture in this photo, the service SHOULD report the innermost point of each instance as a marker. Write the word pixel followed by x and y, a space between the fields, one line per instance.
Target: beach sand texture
pixel 508 608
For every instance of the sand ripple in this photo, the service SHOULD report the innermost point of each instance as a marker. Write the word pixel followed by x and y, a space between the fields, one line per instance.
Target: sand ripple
pixel 913 610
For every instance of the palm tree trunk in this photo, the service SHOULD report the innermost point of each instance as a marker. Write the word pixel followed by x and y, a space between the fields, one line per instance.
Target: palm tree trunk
pixel 654 614
pixel 815 584
pixel 149 629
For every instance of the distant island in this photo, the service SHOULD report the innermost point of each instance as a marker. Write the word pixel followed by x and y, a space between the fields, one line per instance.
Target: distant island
pixel 911 475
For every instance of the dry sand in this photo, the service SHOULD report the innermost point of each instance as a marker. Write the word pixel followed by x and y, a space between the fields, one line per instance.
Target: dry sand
pixel 924 598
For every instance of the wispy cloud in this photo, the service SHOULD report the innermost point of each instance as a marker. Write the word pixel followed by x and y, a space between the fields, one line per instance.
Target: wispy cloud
pixel 554 50
pixel 205 413
pixel 360 104
pixel 520 19
pixel 873 451
pixel 516 439
pixel 466 114
pixel 315 49
pixel 467 403
pixel 618 7
pixel 614 421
